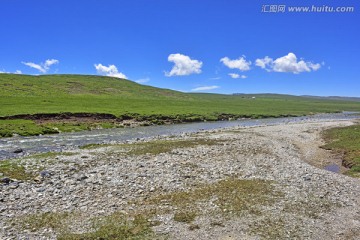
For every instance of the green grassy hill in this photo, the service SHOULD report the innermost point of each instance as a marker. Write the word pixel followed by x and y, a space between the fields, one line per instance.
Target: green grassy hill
pixel 23 94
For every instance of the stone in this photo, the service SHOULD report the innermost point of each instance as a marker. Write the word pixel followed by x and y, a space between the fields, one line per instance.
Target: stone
pixel 5 180
pixel 14 185
pixel 45 174
pixel 81 177
pixel 38 179
pixel 18 150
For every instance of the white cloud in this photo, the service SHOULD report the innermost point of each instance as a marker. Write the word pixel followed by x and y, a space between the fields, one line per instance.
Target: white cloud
pixel 143 80
pixel 263 62
pixel 36 66
pixel 50 62
pixel 16 72
pixel 239 63
pixel 110 71
pixel 42 67
pixel 204 88
pixel 183 65
pixel 215 78
pixel 235 76
pixel 288 63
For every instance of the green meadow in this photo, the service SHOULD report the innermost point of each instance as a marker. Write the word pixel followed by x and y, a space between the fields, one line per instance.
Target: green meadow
pixel 24 94
pixel 346 141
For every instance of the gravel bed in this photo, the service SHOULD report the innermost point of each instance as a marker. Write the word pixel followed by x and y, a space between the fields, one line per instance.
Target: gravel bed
pixel 306 202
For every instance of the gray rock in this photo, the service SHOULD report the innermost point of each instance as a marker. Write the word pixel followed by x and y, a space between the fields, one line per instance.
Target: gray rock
pixel 5 180
pixel 81 177
pixel 14 185
pixel 18 150
pixel 45 174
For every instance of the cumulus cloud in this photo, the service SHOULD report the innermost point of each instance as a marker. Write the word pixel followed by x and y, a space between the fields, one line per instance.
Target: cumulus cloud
pixel 288 63
pixel 239 63
pixel 42 67
pixel 235 76
pixel 110 71
pixel 143 80
pixel 183 65
pixel 204 88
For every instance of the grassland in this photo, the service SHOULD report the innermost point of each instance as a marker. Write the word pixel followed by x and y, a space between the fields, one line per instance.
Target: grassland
pixel 23 94
pixel 346 141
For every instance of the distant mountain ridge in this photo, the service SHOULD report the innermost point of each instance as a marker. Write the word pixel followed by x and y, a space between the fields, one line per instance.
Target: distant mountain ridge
pixel 356 99
pixel 341 98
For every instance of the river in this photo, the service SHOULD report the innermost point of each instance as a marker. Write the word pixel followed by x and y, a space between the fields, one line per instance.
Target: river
pixel 66 141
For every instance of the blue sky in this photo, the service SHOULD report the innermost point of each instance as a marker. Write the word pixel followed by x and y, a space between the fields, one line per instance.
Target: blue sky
pixel 220 46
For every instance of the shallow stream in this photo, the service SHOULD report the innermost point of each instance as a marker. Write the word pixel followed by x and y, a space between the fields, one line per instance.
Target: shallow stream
pixel 65 141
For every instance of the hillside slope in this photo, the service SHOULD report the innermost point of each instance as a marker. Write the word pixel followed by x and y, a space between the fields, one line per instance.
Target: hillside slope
pixel 24 94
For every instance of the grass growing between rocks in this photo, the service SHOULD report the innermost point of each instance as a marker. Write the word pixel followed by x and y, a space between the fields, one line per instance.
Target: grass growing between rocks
pixel 35 222
pixel 116 226
pixel 13 169
pixel 272 228
pixel 95 146
pixel 312 208
pixel 231 197
pixel 345 140
pixel 50 155
pixel 186 216
pixel 156 146
pixel 165 146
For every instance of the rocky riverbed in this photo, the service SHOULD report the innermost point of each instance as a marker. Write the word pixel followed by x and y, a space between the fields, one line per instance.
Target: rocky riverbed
pixel 239 183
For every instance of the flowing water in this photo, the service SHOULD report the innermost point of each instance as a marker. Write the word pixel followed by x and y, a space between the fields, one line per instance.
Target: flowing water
pixel 65 141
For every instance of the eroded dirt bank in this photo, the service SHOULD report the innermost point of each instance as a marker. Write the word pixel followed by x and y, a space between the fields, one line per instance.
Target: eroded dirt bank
pixel 240 183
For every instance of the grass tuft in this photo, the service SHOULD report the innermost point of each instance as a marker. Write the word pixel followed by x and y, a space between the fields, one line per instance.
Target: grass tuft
pixel 185 217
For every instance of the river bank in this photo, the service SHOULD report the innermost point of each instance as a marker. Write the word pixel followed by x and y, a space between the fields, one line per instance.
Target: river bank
pixel 54 123
pixel 237 183
pixel 15 147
